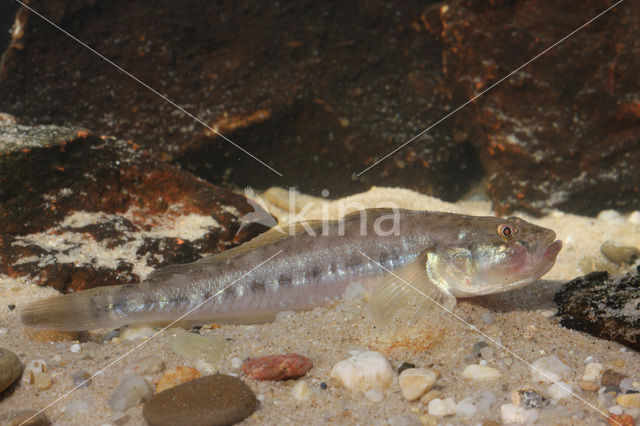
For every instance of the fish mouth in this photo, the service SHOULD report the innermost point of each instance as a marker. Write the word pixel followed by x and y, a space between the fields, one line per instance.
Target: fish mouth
pixel 552 250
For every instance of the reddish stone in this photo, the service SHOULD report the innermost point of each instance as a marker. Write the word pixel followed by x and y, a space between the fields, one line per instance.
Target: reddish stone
pixel 277 367
pixel 620 420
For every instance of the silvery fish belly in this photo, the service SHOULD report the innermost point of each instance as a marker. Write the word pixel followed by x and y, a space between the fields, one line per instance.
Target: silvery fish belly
pixel 417 260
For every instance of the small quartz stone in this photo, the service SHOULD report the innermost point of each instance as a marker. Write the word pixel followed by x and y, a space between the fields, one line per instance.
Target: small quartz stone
pixel 301 391
pixel 442 407
pixel 480 372
pixel 560 390
pixel 364 371
pixel 414 382
pixel 549 369
pixel 475 405
pixel 131 391
pixel 511 413
pixel 42 381
pixel 82 379
pixel 373 395
pixel 592 372
pixel 487 318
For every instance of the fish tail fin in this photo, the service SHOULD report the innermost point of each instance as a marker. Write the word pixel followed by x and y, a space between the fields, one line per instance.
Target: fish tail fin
pixel 407 288
pixel 80 311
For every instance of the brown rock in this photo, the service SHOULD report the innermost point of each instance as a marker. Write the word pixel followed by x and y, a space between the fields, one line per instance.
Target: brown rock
pixel 25 418
pixel 277 367
pixel 211 400
pixel 318 93
pixel 96 195
pixel 589 386
pixel 611 378
pixel 10 368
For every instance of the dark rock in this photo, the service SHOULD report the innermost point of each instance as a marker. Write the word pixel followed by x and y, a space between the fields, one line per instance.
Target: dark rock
pixel 317 91
pixel 563 131
pixel 69 199
pixel 603 305
pixel 211 400
pixel 404 366
pixel 10 368
pixel 611 378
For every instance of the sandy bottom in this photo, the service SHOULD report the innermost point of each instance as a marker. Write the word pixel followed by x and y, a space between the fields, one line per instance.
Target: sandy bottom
pixel 524 324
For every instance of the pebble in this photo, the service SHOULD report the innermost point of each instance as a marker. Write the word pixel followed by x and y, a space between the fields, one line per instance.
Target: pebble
pixel 24 418
pixel 367 370
pixel 442 407
pixel 611 216
pixel 618 253
pixel 131 391
pixel 176 376
pixel 277 367
pixel 236 363
pixel 549 369
pixel 480 372
pixel 629 400
pixel 10 368
pixel 199 347
pixel 589 386
pixel 80 406
pixel 301 391
pixel 627 384
pixel 511 413
pixel 478 347
pixel 81 379
pixel 634 217
pixel 146 365
pixel 414 382
pixel 620 420
pixel 373 395
pixel 132 332
pixel 615 409
pixel 560 390
pixel 611 378
pixel 475 405
pixel 486 352
pixel 42 381
pixel 75 348
pixel 592 372
pixel 212 400
pixel 527 398
pixel 487 318
pixel 404 366
pixel 205 367
pixel 31 369
pixel 429 396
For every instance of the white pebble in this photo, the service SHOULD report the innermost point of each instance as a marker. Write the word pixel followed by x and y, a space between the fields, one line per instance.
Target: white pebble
pixel 476 404
pixel 634 217
pixel 131 391
pixel 32 369
pixel 301 391
pixel 132 332
pixel 592 372
pixel 511 413
pixel 373 395
pixel 611 216
pixel 365 371
pixel 146 365
pixel 77 407
pixel 3 331
pixel 442 407
pixel 549 369
pixel 480 372
pixel 615 409
pixel 205 367
pixel 236 363
pixel 486 353
pixel 75 348
pixel 560 390
pixel 414 382
pixel 487 318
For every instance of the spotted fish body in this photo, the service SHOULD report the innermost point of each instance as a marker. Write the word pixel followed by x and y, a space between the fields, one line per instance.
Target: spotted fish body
pixel 308 265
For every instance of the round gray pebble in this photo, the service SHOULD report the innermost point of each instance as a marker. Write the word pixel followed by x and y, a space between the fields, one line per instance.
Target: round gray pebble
pixel 210 400
pixel 10 368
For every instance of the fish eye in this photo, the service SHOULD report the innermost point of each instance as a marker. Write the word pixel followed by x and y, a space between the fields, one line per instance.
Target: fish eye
pixel 507 232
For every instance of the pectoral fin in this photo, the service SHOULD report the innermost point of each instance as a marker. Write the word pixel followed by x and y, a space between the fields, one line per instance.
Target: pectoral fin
pixel 408 288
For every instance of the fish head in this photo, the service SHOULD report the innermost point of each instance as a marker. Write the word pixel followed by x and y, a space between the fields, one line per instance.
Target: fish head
pixel 494 255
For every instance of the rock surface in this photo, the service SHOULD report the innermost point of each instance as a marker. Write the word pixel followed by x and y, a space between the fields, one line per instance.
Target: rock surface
pixel 99 195
pixel 10 368
pixel 211 400
pixel 603 305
